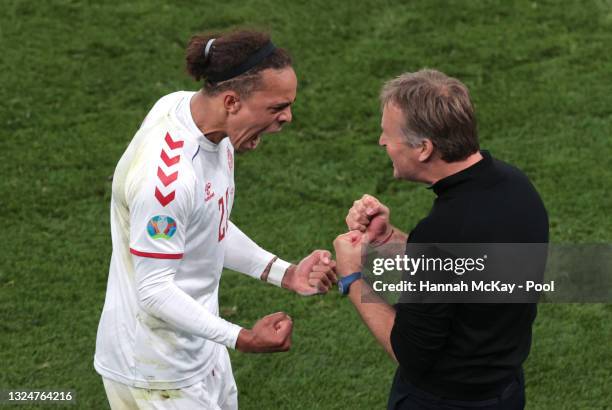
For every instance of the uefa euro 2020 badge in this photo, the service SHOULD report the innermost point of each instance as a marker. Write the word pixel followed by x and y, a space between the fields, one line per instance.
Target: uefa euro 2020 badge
pixel 161 227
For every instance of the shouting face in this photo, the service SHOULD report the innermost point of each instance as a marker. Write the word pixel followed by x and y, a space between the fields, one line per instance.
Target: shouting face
pixel 264 111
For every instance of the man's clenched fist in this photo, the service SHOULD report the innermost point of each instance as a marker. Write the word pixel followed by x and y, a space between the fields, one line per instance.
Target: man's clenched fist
pixel 369 215
pixel 348 247
pixel 272 333
pixel 313 275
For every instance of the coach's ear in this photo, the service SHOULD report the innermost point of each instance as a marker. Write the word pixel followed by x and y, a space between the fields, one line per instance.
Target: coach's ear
pixel 231 102
pixel 427 149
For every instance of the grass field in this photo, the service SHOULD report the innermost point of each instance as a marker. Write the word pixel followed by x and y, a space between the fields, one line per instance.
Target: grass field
pixel 77 78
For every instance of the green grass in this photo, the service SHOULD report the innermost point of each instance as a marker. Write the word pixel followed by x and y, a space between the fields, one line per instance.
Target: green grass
pixel 77 78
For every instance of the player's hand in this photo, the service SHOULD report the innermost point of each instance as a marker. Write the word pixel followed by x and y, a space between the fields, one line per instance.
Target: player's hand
pixel 270 334
pixel 313 275
pixel 369 215
pixel 348 247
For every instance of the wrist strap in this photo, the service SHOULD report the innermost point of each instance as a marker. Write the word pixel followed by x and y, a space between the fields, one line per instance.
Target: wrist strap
pixel 277 272
pixel 384 241
pixel 345 283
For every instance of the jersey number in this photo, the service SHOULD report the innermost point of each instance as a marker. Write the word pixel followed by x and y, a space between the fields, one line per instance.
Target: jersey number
pixel 222 208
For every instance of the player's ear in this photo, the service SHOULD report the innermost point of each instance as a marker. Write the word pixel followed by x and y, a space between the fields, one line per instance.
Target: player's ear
pixel 427 149
pixel 231 102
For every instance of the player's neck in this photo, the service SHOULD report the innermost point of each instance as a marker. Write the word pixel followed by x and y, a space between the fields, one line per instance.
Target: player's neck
pixel 207 118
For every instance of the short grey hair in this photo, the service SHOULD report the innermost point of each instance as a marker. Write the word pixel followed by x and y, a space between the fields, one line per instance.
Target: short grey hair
pixel 435 107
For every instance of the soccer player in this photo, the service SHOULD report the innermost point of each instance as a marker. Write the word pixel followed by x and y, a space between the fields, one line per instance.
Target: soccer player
pixel 161 342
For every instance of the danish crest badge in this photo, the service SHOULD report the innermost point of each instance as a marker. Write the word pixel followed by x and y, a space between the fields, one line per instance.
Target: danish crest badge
pixel 161 227
pixel 209 192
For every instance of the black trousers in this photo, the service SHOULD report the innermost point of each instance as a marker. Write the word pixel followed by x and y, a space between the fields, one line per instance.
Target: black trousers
pixel 405 396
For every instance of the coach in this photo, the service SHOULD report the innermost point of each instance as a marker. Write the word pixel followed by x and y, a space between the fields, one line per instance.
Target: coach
pixel 450 356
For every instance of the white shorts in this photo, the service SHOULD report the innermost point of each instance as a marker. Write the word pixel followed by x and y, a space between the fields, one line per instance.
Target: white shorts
pixel 216 392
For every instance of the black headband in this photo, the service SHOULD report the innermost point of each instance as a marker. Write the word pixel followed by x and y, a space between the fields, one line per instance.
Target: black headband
pixel 254 59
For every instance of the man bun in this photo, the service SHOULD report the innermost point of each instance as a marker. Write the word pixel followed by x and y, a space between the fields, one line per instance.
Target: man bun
pixel 227 51
pixel 197 63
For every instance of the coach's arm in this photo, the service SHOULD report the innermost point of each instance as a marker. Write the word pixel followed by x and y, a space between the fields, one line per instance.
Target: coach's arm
pixel 412 334
pixel 378 316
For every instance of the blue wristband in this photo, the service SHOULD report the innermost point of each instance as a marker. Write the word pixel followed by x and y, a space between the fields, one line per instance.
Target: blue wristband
pixel 345 283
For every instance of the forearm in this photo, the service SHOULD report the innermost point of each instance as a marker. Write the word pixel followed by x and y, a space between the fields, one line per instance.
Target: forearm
pixel 377 315
pixel 159 297
pixel 398 236
pixel 172 305
pixel 243 255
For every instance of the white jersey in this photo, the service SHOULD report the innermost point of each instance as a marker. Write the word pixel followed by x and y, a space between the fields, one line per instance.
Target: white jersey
pixel 173 192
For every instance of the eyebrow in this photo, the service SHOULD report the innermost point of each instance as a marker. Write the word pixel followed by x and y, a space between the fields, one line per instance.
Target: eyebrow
pixel 282 105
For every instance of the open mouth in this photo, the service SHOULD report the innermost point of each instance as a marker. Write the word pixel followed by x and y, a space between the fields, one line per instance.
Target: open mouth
pixel 255 141
pixel 252 143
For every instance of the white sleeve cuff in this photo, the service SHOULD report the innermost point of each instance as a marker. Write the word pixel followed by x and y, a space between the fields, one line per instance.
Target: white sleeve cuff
pixel 232 335
pixel 277 272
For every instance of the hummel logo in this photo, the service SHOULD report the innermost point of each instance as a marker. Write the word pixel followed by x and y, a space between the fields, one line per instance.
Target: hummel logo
pixel 168 179
pixel 209 192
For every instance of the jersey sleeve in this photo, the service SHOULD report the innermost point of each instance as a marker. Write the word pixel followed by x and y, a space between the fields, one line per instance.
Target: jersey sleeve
pixel 161 298
pixel 161 203
pixel 243 255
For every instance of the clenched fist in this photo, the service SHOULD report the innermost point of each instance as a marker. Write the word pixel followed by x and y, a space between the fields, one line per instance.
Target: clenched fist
pixel 272 333
pixel 314 274
pixel 349 248
pixel 369 215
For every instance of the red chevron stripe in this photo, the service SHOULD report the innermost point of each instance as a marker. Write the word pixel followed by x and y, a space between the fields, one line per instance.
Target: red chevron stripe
pixel 166 179
pixel 171 143
pixel 164 200
pixel 169 161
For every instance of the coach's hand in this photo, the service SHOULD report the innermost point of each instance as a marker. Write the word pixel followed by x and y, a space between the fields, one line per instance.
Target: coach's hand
pixel 369 215
pixel 270 334
pixel 313 275
pixel 348 247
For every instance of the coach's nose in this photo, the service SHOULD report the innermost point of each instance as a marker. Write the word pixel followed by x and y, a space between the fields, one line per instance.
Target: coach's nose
pixel 285 116
pixel 382 140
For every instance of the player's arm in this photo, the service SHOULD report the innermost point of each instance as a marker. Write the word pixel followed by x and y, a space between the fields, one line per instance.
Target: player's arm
pixel 159 296
pixel 158 221
pixel 314 274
